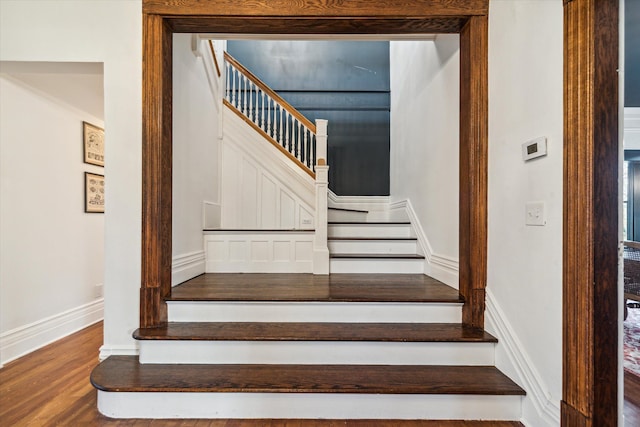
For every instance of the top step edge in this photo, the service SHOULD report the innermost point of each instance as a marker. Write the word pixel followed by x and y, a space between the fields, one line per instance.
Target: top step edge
pixel 369 222
pixel 258 230
pixel 316 331
pixel 347 210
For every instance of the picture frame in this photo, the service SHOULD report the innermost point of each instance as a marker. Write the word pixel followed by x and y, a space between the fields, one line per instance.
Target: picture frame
pixel 93 143
pixel 93 193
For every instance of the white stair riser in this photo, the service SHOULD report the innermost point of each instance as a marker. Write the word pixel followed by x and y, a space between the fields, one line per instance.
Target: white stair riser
pixel 314 352
pixel 373 246
pixel 373 265
pixel 308 405
pixel 369 230
pixel 208 311
pixel 336 215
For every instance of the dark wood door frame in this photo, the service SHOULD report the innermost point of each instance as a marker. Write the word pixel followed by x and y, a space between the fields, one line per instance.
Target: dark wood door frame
pixel 590 243
pixel 590 189
pixel 162 18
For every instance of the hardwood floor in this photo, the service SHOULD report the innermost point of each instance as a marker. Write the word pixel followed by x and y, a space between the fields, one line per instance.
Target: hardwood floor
pixel 51 387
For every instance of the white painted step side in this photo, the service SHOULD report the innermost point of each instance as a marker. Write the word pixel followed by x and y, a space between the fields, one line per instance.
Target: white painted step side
pixel 343 215
pixel 309 406
pixel 356 246
pixel 317 352
pixel 376 265
pixel 223 311
pixel 370 230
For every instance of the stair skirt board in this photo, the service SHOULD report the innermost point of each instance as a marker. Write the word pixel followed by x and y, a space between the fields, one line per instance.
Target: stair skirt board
pixel 382 246
pixel 322 353
pixel 164 405
pixel 224 311
pixel 380 265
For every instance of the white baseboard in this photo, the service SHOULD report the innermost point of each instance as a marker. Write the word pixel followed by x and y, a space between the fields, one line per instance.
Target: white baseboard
pixel 25 339
pixel 365 203
pixel 441 267
pixel 187 266
pixel 118 350
pixel 538 408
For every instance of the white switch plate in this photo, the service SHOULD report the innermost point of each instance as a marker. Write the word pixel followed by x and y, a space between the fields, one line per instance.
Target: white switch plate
pixel 535 213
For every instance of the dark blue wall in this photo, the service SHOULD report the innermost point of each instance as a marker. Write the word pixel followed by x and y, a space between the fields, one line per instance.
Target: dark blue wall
pixel 632 53
pixel 344 82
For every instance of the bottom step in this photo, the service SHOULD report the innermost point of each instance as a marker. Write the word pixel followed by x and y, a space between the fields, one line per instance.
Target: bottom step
pixel 130 390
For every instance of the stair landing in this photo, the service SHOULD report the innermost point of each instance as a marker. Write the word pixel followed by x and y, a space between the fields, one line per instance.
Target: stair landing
pixel 319 288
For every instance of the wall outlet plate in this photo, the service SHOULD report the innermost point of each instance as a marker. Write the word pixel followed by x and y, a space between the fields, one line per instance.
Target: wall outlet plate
pixel 534 148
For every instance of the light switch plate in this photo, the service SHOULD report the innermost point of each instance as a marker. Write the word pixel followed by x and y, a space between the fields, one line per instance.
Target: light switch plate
pixel 535 213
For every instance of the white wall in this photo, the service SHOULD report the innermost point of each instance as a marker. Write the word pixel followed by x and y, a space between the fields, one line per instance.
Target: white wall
pixel 51 252
pixel 424 136
pixel 525 262
pixel 109 32
pixel 196 165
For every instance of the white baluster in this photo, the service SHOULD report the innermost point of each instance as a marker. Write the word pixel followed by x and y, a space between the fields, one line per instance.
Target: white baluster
pixel 226 76
pixel 262 121
pixel 299 140
pixel 306 147
pixel 244 96
pixel 269 130
pixel 233 85
pixel 250 102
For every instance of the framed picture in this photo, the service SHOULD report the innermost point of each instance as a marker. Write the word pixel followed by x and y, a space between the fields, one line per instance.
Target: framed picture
pixel 93 193
pixel 93 144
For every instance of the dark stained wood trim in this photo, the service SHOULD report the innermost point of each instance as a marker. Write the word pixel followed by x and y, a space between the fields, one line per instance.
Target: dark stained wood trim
pixel 156 170
pixel 473 168
pixel 215 58
pixel 318 8
pixel 301 25
pixel 162 17
pixel 590 264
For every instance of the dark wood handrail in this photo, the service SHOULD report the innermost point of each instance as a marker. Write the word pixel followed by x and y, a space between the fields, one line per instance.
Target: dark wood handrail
pixel 302 119
pixel 215 58
pixel 631 244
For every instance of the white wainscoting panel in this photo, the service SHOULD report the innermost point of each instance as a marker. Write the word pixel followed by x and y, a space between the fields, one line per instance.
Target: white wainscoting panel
pixel 261 188
pixel 259 251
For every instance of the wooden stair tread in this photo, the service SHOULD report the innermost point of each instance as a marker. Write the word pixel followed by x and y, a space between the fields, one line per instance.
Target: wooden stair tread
pixel 390 239
pixel 290 331
pixel 126 374
pixel 377 256
pixel 347 210
pixel 317 288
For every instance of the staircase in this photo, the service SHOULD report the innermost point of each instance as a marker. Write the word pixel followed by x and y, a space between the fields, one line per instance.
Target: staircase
pixel 374 339
pixel 344 346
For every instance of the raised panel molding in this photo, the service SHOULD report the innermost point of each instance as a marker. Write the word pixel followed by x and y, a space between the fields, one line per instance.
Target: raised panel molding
pixel 261 189
pixel 259 251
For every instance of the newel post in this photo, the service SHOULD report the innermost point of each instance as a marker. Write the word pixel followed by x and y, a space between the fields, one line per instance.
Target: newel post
pixel 320 247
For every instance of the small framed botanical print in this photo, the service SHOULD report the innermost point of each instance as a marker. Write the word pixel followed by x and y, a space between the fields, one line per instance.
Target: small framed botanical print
pixel 93 144
pixel 93 193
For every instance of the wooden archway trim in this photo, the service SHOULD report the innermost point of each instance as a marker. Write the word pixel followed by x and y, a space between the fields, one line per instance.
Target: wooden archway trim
pixel 590 244
pixel 162 18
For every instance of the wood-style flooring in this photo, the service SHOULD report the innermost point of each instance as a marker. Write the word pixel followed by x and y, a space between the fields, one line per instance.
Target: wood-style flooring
pixel 309 287
pixel 50 387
